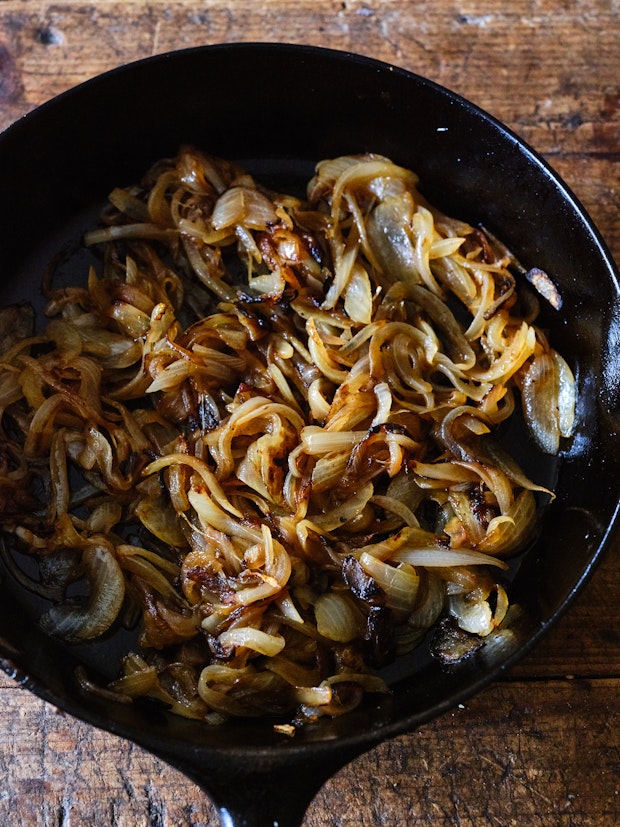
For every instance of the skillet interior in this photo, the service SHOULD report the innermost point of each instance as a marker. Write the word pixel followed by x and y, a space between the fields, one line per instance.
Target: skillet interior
pixel 60 162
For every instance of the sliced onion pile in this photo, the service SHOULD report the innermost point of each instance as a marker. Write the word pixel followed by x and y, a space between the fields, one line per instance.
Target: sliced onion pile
pixel 270 429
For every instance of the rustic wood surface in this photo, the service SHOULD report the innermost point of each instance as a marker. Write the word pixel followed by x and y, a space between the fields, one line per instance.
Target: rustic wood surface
pixel 541 748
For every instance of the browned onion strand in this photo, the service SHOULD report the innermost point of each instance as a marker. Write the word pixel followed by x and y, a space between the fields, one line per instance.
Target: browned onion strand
pixel 270 426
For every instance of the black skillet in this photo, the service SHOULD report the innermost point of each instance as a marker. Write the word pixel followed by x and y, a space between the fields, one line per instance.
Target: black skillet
pixel 279 109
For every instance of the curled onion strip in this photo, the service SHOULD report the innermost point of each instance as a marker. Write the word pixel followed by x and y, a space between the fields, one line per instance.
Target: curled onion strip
pixel 106 594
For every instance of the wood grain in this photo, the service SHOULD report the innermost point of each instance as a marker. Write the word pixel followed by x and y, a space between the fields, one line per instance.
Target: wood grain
pixel 548 66
pixel 536 754
pixel 541 748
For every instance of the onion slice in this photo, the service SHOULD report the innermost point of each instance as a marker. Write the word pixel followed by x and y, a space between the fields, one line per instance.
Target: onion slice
pixel 106 595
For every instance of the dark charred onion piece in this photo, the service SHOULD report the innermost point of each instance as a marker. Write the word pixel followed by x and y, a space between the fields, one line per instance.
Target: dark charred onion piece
pixel 380 637
pixel 544 286
pixel 361 584
pixel 450 644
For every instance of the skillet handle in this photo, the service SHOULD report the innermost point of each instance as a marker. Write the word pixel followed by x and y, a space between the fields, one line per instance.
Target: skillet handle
pixel 269 796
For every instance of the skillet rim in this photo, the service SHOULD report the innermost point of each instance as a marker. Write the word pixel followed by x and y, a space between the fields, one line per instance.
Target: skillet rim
pixel 400 725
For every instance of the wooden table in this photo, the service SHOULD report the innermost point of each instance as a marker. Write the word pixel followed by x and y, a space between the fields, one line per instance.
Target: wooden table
pixel 541 748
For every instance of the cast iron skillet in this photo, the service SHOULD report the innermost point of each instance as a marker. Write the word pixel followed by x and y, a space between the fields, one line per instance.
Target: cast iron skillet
pixel 280 108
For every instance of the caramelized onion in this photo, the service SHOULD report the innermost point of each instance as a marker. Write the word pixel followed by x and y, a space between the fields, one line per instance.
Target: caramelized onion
pixel 106 593
pixel 270 429
pixel 548 393
pixel 337 617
